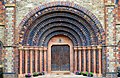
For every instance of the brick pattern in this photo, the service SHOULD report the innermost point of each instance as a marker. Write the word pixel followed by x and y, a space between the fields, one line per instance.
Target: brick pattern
pixel 9 54
pixel 2 12
pixel 2 28
pixel 24 7
pixel 9 26
pixel 110 38
pixel 35 14
pixel 118 11
pixel 31 16
pixel 8 60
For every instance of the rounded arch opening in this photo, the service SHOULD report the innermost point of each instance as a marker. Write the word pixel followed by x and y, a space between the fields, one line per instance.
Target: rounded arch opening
pixel 42 17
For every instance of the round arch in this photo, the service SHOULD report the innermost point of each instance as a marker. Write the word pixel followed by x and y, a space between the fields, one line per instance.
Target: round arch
pixel 61 18
pixel 42 17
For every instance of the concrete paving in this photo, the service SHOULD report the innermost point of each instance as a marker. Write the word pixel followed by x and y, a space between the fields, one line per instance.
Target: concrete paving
pixel 61 76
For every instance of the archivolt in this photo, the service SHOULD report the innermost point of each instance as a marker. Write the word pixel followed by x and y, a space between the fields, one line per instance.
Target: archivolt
pixel 68 19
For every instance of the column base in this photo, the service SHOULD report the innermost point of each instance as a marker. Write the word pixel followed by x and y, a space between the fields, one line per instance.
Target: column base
pixel 21 76
pixel 99 75
pixel 9 75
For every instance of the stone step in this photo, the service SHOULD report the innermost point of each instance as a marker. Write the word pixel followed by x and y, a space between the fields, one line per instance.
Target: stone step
pixel 61 72
pixel 61 76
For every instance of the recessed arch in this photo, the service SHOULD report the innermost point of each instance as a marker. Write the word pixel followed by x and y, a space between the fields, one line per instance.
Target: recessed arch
pixel 84 16
pixel 66 19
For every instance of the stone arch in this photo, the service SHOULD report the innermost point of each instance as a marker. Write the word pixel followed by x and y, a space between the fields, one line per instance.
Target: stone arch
pixel 39 19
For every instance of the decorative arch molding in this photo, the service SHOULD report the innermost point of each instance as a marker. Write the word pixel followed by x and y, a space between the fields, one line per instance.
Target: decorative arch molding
pixel 36 24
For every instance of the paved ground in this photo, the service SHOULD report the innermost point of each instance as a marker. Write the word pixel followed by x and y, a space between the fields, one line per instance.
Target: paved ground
pixel 61 76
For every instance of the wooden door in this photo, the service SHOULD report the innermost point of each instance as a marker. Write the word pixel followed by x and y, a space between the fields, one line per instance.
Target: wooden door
pixel 60 58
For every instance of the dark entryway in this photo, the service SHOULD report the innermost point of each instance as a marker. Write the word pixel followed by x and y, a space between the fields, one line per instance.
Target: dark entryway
pixel 60 58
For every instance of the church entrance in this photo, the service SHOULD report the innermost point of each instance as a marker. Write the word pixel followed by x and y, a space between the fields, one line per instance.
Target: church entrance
pixel 60 55
pixel 61 36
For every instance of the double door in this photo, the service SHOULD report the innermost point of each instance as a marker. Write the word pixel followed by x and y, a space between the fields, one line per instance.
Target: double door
pixel 60 58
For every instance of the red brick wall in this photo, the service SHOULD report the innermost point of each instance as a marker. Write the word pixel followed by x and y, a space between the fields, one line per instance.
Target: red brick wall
pixel 119 10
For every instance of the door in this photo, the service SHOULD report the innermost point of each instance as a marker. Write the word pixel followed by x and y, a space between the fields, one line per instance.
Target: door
pixel 60 58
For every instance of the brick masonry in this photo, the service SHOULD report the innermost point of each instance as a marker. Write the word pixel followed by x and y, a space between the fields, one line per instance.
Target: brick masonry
pixel 100 9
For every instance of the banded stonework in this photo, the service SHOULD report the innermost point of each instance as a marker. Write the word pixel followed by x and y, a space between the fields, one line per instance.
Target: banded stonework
pixel 31 29
pixel 65 19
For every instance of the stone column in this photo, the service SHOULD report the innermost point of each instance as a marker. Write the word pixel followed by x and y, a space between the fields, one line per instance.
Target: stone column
pixel 9 59
pixel 36 59
pixel 89 57
pixel 20 50
pixel 100 60
pixel 31 60
pixel 45 61
pixel 94 55
pixel 26 60
pixel 75 58
pixel 41 54
pixel 84 56
pixel 80 58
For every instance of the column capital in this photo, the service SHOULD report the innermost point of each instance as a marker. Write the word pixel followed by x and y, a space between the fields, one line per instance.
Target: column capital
pixel 45 48
pixel 31 48
pixel 20 48
pixel 26 48
pixel 40 48
pixel 75 48
pixel 36 48
pixel 79 48
pixel 89 47
pixel 84 47
pixel 93 47
pixel 99 47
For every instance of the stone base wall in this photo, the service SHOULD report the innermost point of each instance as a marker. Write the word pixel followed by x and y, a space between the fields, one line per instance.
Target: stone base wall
pixel 10 76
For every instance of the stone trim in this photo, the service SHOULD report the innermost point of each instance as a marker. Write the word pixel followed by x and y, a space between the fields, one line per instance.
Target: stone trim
pixel 10 5
pixel 2 24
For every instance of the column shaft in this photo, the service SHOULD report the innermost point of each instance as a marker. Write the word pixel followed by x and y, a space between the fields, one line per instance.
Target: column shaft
pixel 100 61
pixel 80 60
pixel 31 66
pixel 36 60
pixel 20 61
pixel 45 59
pixel 84 48
pixel 75 59
pixel 26 60
pixel 41 60
pixel 89 57
pixel 94 54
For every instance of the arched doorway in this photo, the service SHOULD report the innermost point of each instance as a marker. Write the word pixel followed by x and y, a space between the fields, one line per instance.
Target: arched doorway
pixel 68 21
pixel 60 54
